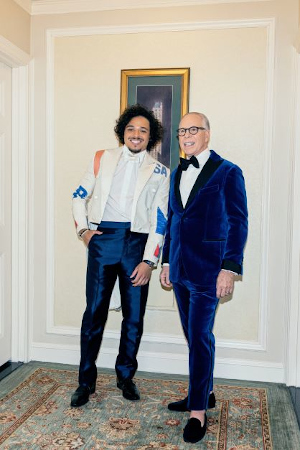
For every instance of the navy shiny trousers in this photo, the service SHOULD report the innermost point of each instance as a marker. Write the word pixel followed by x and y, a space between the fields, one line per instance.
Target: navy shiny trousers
pixel 197 308
pixel 114 253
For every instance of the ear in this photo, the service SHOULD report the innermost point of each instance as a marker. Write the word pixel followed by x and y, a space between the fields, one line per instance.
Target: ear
pixel 207 135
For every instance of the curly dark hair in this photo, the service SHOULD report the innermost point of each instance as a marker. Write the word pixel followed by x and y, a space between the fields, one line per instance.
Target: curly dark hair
pixel 156 128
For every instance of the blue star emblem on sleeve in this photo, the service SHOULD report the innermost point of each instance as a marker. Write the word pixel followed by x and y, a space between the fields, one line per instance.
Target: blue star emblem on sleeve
pixel 80 192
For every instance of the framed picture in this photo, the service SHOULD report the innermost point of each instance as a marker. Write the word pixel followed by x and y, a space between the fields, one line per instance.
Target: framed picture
pixel 165 92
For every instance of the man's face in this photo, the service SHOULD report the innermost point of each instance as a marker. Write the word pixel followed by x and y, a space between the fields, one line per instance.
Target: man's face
pixel 193 144
pixel 137 134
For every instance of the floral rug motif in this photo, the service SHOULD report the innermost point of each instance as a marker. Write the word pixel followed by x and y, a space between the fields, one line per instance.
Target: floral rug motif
pixel 37 415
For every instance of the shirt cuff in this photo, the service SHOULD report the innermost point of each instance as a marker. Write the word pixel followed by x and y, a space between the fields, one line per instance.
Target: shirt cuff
pixel 231 271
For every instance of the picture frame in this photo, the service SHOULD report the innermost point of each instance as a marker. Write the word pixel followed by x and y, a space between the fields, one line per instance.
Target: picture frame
pixel 166 93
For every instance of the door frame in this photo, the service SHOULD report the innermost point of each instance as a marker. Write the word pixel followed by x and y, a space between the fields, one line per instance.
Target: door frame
pixel 19 61
pixel 292 338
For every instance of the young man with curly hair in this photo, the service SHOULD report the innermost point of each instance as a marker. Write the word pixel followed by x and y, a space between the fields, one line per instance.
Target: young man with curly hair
pixel 123 227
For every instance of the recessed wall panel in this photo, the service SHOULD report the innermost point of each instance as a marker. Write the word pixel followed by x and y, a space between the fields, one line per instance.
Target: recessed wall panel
pixel 228 83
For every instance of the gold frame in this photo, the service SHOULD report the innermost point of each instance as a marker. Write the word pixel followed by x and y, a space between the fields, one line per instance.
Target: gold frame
pixel 183 72
pixel 128 75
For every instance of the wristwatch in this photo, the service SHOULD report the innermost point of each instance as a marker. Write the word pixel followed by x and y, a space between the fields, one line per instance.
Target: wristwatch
pixel 150 263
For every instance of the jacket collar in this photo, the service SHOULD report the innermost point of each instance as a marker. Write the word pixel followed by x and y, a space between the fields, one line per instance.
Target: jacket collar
pixel 206 173
pixel 128 155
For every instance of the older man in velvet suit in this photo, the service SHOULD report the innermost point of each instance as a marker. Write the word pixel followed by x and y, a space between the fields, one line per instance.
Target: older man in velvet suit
pixel 203 250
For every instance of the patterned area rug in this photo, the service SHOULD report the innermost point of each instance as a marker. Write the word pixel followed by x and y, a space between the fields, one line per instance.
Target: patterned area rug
pixel 36 414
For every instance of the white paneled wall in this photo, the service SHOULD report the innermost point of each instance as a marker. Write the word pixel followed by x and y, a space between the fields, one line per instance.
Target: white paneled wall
pixel 237 80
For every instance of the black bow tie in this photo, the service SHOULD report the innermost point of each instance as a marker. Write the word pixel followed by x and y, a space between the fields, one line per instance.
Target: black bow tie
pixel 184 163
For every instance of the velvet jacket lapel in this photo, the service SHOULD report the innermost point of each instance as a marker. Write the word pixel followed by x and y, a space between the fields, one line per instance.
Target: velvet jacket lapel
pixel 206 173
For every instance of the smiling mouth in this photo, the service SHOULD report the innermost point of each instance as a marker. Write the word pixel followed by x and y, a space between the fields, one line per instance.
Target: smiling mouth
pixel 188 144
pixel 136 141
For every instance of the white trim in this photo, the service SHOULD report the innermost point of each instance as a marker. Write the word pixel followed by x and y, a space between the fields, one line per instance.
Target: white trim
pixel 31 201
pixel 267 154
pixel 12 55
pixel 169 363
pixel 160 338
pixel 16 58
pixel 25 4
pixel 2 275
pixel 19 213
pixel 50 256
pixel 71 6
pixel 164 27
pixel 250 370
pixel 261 344
pixel 2 167
pixel 293 276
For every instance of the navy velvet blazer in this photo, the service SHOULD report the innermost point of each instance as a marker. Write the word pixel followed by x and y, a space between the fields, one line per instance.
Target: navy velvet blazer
pixel 210 232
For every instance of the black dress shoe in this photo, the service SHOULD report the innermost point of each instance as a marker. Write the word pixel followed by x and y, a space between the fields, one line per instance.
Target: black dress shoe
pixel 193 431
pixel 81 395
pixel 181 405
pixel 129 389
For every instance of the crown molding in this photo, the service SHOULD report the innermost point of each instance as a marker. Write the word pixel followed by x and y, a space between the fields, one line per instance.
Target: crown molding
pixel 39 7
pixel 25 4
pixel 12 55
pixel 157 28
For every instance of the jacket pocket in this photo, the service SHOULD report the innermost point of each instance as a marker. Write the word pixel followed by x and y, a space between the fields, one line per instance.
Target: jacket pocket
pixel 209 189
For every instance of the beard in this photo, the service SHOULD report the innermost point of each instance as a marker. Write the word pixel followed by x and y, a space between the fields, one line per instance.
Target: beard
pixel 135 151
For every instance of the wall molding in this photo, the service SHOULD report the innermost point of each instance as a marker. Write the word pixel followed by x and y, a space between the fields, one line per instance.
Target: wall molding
pixel 267 157
pixel 31 218
pixel 12 55
pixel 2 265
pixel 268 23
pixel 170 363
pixel 20 148
pixel 72 6
pixel 19 60
pixel 292 348
pixel 51 34
pixel 25 4
pixel 158 338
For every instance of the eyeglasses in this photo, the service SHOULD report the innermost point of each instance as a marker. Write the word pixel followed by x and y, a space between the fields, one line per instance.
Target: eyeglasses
pixel 191 130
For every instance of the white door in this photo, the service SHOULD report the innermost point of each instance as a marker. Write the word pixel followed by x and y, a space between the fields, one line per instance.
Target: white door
pixel 5 212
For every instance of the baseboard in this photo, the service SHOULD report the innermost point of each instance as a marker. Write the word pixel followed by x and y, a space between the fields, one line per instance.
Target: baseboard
pixel 169 363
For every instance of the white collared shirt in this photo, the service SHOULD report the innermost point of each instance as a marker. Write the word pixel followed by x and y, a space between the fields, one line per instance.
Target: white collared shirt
pixel 189 176
pixel 119 203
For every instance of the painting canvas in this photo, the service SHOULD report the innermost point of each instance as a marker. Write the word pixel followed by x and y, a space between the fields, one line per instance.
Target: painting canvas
pixel 165 92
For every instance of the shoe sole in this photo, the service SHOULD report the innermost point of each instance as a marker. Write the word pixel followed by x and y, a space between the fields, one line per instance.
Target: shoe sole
pixel 132 399
pixel 78 405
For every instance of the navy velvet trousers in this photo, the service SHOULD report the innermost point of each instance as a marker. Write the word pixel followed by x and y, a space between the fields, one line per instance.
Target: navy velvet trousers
pixel 197 308
pixel 114 253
